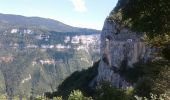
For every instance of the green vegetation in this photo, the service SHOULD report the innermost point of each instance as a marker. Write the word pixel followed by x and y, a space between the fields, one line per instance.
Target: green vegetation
pixel 154 97
pixel 82 81
pixel 77 95
pixel 21 68
pixel 151 80
pixel 31 61
pixel 78 80
pixel 149 16
pixel 105 91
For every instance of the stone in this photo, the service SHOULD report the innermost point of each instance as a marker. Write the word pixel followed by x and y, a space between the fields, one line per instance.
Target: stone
pixel 120 48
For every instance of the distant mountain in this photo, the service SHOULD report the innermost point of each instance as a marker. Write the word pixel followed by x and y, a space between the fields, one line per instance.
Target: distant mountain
pixel 40 23
pixel 37 54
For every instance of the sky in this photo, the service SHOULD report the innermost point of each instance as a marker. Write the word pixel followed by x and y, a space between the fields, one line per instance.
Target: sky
pixel 78 13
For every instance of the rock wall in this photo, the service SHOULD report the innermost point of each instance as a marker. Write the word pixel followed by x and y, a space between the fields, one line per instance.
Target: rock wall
pixel 119 47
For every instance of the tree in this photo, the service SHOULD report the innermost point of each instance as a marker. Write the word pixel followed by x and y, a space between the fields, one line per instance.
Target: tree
pixel 77 95
pixel 105 91
pixel 162 82
pixel 144 86
pixel 149 16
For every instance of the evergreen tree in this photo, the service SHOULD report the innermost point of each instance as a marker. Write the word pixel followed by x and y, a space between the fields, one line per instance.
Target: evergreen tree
pixel 149 16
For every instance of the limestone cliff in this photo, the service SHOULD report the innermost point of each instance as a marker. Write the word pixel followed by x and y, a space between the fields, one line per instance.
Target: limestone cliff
pixel 119 48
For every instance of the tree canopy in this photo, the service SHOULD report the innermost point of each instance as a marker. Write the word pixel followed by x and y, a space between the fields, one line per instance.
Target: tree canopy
pixel 148 16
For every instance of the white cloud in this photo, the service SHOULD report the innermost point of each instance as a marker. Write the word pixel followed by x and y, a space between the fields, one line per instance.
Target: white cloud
pixel 79 5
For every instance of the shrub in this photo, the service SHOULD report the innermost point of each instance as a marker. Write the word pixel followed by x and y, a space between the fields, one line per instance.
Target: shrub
pixel 154 97
pixel 77 95
pixel 105 91
pixel 144 86
pixel 57 98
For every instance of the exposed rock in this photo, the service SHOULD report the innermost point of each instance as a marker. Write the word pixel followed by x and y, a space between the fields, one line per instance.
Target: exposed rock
pixel 120 48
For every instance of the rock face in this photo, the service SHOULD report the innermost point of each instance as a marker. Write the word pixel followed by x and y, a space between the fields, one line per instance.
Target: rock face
pixel 119 48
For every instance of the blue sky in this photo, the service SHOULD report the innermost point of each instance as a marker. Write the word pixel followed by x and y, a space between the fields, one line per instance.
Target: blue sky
pixel 79 13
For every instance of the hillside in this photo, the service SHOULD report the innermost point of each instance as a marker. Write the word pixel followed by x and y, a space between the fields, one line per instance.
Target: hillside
pixel 37 54
pixel 8 20
pixel 135 59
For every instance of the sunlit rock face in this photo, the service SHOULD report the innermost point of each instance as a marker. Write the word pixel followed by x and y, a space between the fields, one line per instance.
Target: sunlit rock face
pixel 120 47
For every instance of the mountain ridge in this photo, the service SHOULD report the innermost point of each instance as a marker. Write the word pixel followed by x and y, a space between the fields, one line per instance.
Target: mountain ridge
pixel 47 23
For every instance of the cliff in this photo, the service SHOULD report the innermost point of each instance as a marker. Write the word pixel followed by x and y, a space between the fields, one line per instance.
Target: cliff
pixel 120 49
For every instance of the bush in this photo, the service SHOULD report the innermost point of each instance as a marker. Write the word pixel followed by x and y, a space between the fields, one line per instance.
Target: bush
pixel 57 98
pixel 154 97
pixel 77 95
pixel 78 80
pixel 166 53
pixel 105 91
pixel 144 86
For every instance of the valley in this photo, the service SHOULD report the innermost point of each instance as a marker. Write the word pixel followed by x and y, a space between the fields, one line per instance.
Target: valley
pixel 45 59
pixel 34 60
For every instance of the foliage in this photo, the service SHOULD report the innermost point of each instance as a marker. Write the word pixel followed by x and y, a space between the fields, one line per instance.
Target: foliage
pixel 78 80
pixel 57 98
pixel 105 91
pixel 150 77
pixel 140 69
pixel 144 86
pixel 74 95
pixel 144 16
pixel 166 53
pixel 162 82
pixel 118 18
pixel 149 16
pixel 154 81
pixel 129 91
pixel 152 18
pixel 154 97
pixel 77 95
pixel 26 62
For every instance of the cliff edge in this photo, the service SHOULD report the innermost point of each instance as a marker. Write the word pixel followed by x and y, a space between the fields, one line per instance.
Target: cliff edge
pixel 120 49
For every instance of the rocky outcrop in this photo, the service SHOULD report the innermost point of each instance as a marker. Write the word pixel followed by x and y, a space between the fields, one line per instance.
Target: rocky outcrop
pixel 119 48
